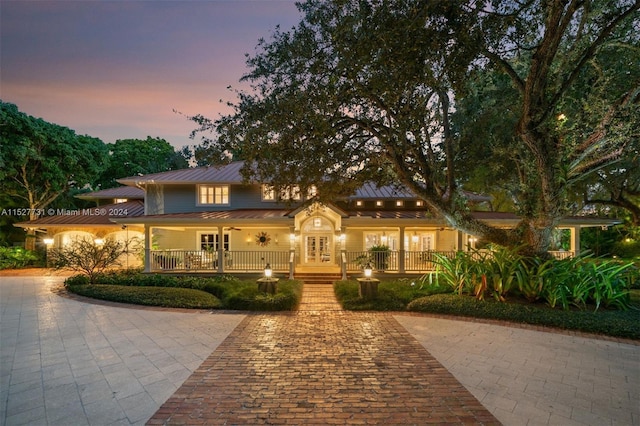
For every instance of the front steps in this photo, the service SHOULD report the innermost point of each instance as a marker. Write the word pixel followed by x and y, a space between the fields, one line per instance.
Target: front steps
pixel 318 277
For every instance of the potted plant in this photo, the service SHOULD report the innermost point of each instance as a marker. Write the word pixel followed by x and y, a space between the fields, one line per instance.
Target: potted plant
pixel 380 256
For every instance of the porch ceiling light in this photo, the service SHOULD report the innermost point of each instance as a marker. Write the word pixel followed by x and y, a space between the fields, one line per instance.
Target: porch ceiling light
pixel 99 241
pixel 48 241
pixel 268 271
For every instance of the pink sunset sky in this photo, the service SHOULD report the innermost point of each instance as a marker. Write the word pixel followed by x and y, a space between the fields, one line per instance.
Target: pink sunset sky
pixel 117 69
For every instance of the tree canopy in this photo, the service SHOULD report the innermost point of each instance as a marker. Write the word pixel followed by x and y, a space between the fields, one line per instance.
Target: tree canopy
pixel 129 157
pixel 40 161
pixel 44 164
pixel 431 94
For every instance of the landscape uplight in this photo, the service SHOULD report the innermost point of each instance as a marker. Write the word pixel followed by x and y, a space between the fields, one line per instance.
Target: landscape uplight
pixel 268 271
pixel 368 270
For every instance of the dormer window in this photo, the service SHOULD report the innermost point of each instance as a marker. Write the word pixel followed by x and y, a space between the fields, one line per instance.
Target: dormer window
pixel 399 203
pixel 359 203
pixel 268 193
pixel 212 195
pixel 290 193
pixel 120 200
pixel 379 203
pixel 312 192
pixel 419 203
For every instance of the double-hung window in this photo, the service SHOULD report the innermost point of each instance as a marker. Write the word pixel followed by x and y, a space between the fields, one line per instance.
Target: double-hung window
pixel 213 195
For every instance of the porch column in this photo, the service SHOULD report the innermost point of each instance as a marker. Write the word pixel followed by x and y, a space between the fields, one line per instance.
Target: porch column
pixel 292 252
pixel 575 240
pixel 147 248
pixel 401 252
pixel 343 252
pixel 220 249
pixel 460 241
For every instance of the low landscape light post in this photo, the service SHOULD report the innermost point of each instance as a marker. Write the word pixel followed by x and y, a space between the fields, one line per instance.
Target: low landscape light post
pixel 268 284
pixel 368 286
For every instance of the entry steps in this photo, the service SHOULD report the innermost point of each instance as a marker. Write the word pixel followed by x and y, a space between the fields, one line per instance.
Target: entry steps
pixel 318 277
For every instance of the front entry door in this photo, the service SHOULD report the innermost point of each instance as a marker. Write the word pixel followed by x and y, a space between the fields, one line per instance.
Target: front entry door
pixel 317 250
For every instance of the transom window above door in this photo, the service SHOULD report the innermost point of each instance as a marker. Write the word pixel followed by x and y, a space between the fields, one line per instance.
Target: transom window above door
pixel 213 195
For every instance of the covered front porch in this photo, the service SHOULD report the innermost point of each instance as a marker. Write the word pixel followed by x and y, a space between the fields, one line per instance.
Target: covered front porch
pixel 323 239
pixel 287 262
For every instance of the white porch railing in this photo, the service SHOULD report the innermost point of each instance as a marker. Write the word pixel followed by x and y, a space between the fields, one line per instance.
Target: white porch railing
pixel 284 261
pixel 203 261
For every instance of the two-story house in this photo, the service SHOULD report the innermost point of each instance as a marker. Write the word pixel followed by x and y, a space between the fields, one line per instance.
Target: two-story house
pixel 208 220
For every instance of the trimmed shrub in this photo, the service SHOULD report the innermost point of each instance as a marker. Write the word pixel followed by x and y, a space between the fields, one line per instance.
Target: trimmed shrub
pixel 158 296
pixel 609 322
pixel 230 292
pixel 393 295
pixel 246 296
pixel 76 280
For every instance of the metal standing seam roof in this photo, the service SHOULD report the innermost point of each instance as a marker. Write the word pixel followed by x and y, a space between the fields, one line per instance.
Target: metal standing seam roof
pixel 229 173
pixel 128 192
pixel 93 216
pixel 371 190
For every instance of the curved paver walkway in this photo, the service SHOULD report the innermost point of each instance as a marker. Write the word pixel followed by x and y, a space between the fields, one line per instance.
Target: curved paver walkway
pixel 321 365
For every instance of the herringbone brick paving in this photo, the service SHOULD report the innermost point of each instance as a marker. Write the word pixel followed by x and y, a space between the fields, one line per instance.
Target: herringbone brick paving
pixel 321 365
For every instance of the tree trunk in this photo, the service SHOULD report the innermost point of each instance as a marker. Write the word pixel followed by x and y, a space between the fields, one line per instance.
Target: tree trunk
pixel 30 240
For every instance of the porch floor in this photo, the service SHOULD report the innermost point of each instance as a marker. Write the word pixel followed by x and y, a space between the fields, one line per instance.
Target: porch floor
pixel 321 365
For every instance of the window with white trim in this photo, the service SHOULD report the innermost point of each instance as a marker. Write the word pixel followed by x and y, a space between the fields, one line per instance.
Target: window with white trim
pixel 211 242
pixel 213 195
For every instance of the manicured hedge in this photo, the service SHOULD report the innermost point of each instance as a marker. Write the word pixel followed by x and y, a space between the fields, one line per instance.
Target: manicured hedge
pixel 222 292
pixel 157 296
pixel 603 321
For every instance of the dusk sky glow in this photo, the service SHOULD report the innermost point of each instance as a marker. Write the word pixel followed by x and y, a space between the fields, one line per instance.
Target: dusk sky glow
pixel 117 69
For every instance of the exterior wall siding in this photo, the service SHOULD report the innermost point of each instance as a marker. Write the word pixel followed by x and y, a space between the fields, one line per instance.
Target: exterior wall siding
pixel 239 240
pixel 183 199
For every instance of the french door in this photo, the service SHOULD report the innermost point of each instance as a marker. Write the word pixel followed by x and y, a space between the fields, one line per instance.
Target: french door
pixel 317 250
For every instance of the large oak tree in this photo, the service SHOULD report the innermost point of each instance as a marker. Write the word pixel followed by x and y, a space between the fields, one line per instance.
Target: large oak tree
pixel 369 90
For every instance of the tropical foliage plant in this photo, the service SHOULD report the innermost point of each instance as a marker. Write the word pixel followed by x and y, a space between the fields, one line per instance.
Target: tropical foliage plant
pixel 17 257
pixel 573 282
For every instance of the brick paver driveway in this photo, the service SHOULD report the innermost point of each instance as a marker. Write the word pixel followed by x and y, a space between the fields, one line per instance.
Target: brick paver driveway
pixel 321 365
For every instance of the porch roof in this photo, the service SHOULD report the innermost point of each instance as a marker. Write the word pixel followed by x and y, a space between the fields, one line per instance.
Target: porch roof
pixel 199 218
pixel 93 216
